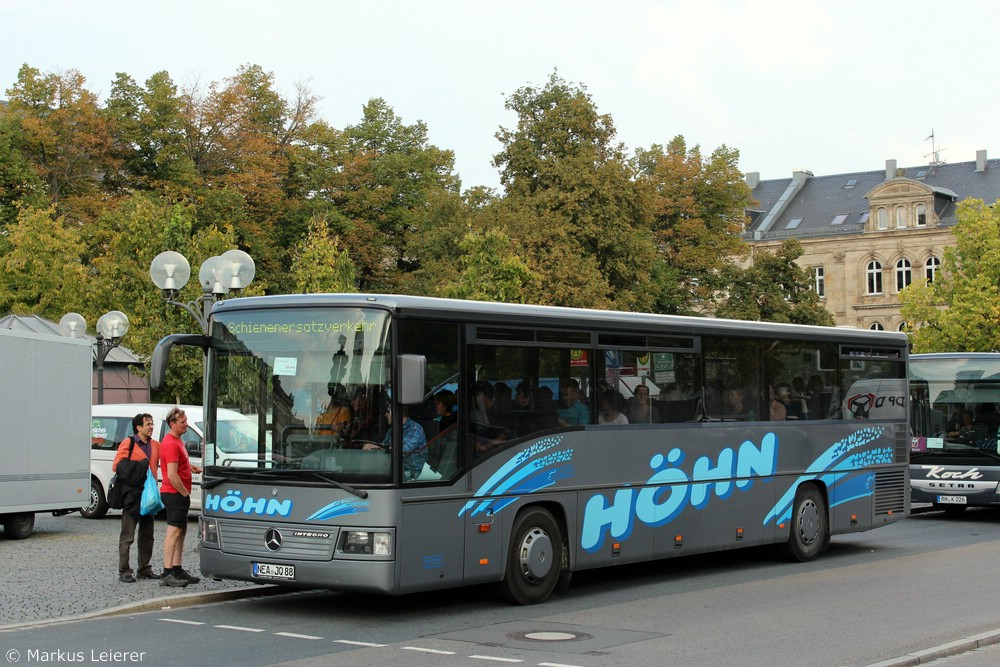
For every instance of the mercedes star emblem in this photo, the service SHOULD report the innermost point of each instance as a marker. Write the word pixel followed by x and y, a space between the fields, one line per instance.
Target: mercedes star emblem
pixel 272 539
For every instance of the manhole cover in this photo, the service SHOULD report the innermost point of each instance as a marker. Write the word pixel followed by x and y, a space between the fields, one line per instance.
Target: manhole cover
pixel 549 636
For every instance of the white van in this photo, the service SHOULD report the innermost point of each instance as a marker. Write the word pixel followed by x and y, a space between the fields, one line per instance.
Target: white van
pixel 112 423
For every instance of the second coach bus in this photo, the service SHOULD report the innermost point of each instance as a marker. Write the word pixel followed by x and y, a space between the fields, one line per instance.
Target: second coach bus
pixel 954 462
pixel 421 443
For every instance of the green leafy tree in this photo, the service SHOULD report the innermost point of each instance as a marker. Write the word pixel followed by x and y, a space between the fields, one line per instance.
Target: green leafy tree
pixel 572 202
pixel 390 187
pixel 491 269
pixel 148 128
pixel 450 219
pixel 41 272
pixel 960 310
pixel 319 264
pixel 699 214
pixel 122 244
pixel 63 132
pixel 241 136
pixel 775 289
pixel 20 185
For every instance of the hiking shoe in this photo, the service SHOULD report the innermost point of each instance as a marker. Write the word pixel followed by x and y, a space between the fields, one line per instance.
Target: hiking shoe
pixel 184 575
pixel 127 578
pixel 148 574
pixel 171 580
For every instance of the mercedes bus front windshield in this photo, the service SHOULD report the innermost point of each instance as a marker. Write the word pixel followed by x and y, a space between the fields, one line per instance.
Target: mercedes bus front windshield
pixel 316 382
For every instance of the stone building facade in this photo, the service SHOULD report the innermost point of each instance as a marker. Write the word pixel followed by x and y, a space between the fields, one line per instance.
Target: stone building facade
pixel 868 235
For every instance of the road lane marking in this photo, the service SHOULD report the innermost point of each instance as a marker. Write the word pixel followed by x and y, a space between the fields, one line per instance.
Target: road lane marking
pixel 426 650
pixel 181 620
pixel 348 641
pixel 495 658
pixel 237 627
pixel 294 635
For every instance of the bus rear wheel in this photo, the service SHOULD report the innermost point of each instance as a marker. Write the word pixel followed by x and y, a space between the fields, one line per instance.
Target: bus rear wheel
pixel 810 530
pixel 534 559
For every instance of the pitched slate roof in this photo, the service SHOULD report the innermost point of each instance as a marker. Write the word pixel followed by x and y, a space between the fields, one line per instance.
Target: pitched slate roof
pixel 36 324
pixel 822 198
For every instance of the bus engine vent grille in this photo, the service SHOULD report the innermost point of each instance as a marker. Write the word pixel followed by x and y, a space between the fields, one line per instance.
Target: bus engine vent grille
pixel 890 492
pixel 902 444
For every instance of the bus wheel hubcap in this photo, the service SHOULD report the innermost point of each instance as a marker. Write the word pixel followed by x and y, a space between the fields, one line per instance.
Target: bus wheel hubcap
pixel 808 522
pixel 535 555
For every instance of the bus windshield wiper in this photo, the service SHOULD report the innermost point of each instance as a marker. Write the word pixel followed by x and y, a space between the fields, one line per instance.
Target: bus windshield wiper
pixel 275 472
pixel 241 473
pixel 992 455
pixel 360 493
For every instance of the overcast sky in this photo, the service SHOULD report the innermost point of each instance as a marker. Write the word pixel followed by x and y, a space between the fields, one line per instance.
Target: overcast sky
pixel 831 87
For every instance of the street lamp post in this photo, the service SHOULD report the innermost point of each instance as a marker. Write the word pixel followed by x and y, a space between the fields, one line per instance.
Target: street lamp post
pixel 232 270
pixel 110 328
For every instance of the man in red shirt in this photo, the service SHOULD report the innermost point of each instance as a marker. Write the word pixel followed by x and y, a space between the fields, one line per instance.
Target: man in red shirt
pixel 145 448
pixel 175 491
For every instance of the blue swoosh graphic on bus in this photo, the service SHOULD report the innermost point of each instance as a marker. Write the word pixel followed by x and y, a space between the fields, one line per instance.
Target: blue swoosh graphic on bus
pixel 341 507
pixel 532 469
pixel 834 467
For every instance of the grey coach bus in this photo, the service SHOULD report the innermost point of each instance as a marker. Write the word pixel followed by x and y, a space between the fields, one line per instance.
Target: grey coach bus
pixel 954 462
pixel 421 443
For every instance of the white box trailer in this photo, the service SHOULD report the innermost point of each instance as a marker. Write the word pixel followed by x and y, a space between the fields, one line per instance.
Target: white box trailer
pixel 45 401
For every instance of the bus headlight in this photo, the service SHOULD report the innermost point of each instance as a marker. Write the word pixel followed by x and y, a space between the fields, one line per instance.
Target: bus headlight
pixel 367 542
pixel 209 531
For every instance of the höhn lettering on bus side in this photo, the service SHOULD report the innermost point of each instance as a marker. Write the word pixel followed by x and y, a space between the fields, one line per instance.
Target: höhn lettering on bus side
pixel 233 503
pixel 672 489
pixel 843 468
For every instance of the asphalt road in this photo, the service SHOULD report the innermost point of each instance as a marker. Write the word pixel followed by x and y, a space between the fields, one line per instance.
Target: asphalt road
pixel 912 593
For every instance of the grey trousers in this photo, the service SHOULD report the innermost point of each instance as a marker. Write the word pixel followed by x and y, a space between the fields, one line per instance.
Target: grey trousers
pixel 127 536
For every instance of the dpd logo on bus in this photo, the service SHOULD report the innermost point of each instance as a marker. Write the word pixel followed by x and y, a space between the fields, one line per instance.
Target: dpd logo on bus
pixel 860 405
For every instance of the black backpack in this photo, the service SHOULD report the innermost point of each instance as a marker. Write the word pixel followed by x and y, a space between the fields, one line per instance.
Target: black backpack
pixel 129 475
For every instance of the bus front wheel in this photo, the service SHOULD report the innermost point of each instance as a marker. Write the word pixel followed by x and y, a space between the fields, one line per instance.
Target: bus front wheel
pixel 534 559
pixel 809 531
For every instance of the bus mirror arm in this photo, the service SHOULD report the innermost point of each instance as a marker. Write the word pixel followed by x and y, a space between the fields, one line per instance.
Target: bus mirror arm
pixel 161 355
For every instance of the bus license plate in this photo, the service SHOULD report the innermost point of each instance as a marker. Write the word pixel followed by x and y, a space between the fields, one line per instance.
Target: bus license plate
pixel 273 571
pixel 952 500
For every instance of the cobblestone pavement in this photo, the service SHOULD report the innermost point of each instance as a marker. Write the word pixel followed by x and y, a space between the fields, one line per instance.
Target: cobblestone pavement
pixel 70 567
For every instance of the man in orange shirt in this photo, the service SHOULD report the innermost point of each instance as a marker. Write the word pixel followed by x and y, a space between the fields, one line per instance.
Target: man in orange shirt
pixel 144 447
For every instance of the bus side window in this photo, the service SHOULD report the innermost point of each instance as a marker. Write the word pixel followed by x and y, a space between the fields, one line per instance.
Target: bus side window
pixel 438 342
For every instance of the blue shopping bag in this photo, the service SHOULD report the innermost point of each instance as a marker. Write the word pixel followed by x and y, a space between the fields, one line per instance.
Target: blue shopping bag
pixel 151 502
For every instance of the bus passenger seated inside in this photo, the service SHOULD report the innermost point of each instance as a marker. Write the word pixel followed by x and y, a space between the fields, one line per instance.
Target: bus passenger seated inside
pixel 488 425
pixel 414 441
pixel 733 407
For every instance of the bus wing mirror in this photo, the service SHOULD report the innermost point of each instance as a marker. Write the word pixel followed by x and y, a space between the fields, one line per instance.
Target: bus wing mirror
pixel 412 371
pixel 161 355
